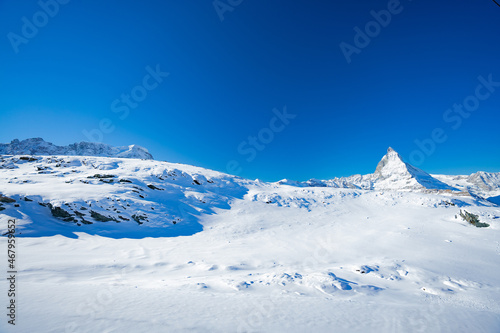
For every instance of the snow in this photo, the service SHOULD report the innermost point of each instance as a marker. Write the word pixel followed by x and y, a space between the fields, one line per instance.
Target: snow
pixel 246 256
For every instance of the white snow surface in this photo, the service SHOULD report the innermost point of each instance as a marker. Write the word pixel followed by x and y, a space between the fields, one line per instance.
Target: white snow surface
pixel 246 256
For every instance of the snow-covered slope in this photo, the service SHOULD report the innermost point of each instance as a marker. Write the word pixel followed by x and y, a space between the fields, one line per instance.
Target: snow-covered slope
pixel 37 146
pixel 130 245
pixel 111 196
pixel 270 258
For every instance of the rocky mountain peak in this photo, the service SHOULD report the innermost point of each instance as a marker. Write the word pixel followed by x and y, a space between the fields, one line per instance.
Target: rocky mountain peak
pixel 391 163
pixel 393 172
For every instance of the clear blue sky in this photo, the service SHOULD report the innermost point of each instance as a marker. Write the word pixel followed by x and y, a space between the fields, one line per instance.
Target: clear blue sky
pixel 226 77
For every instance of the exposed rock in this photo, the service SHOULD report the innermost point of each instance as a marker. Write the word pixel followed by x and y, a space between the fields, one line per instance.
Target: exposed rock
pixel 97 175
pixel 5 199
pixel 472 219
pixel 61 213
pixel 139 218
pixel 27 158
pixel 101 218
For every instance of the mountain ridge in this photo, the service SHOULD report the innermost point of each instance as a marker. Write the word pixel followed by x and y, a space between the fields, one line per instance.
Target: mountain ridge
pixel 134 198
pixel 38 146
pixel 391 173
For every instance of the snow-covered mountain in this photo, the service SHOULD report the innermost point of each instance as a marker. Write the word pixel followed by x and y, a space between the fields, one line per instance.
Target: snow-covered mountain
pixel 37 146
pixel 127 244
pixel 391 173
pixel 481 183
pixel 147 196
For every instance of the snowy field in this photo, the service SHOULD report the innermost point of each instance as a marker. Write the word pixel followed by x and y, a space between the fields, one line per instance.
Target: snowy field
pixel 243 256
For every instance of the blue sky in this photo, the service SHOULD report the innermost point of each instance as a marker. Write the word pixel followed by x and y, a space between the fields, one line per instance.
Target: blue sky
pixel 73 72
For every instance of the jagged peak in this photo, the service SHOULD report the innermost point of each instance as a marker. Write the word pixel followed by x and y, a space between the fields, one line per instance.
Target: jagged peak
pixel 391 163
pixel 392 170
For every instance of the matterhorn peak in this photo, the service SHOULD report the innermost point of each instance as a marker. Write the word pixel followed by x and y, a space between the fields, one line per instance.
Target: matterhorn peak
pixel 392 154
pixel 393 172
pixel 391 163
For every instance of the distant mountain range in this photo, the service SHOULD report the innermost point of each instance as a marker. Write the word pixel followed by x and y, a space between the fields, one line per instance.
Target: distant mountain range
pixel 98 183
pixel 37 146
pixel 391 173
